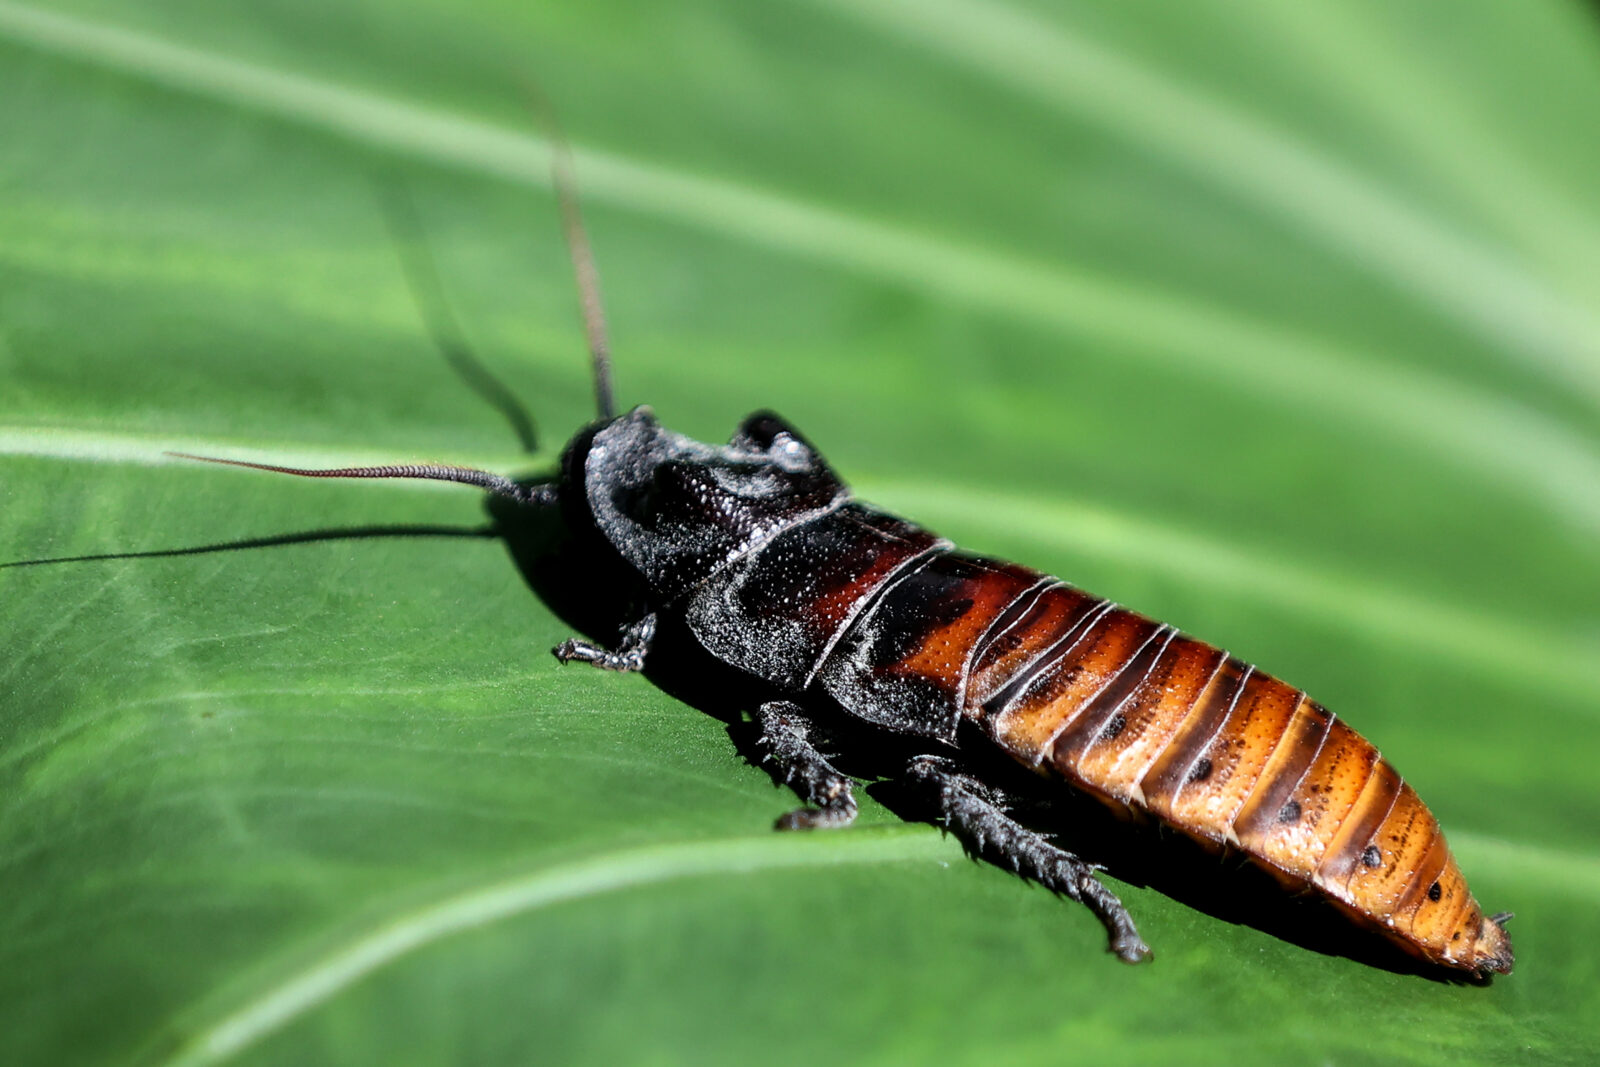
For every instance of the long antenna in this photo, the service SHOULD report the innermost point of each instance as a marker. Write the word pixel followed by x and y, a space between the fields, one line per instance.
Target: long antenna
pixel 594 325
pixel 498 484
pixel 583 265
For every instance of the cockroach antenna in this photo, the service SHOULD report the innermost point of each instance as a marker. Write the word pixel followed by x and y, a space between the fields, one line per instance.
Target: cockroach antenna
pixel 587 276
pixel 583 265
pixel 498 484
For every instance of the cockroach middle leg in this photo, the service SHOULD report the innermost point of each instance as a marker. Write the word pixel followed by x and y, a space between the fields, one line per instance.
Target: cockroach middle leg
pixel 627 656
pixel 972 810
pixel 786 742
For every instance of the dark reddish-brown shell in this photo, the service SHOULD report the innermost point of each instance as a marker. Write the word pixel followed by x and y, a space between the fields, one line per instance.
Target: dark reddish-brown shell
pixel 779 573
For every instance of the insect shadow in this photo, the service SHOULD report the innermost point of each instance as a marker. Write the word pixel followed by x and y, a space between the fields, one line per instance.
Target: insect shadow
pixel 332 533
pixel 421 272
pixel 576 580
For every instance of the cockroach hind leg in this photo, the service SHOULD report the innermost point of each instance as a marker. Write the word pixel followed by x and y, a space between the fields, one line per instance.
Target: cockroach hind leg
pixel 629 654
pixel 785 743
pixel 971 810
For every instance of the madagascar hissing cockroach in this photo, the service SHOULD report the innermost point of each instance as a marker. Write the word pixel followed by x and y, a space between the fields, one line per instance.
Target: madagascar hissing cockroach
pixel 845 612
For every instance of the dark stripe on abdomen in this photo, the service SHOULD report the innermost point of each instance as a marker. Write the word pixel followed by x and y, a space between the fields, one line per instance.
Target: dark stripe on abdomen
pixel 1115 763
pixel 1027 716
pixel 1105 716
pixel 1271 804
pixel 1182 759
pixel 1014 651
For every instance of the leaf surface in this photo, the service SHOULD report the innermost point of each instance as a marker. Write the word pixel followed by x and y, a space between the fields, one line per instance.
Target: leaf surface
pixel 1273 321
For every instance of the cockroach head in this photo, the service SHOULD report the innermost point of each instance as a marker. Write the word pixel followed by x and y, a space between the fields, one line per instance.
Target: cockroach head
pixel 678 509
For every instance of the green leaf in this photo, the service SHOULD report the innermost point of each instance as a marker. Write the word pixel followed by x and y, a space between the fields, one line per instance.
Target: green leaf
pixel 1274 321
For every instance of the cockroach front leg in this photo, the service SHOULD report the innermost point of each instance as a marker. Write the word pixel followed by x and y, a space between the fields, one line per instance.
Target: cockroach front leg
pixel 973 812
pixel 786 742
pixel 628 656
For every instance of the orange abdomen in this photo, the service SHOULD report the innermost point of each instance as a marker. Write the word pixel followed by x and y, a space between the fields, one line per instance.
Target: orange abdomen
pixel 903 631
pixel 1139 714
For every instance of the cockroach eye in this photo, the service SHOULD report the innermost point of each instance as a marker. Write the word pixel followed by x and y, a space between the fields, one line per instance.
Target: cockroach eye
pixel 790 454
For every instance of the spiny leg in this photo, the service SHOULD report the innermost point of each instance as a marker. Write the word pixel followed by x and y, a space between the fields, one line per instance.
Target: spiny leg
pixel 972 811
pixel 628 656
pixel 786 741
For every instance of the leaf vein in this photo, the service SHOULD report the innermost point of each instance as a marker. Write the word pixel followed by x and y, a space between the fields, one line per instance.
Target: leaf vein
pixel 325 977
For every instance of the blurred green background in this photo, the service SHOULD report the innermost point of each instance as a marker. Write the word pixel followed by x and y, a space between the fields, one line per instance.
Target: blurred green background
pixel 1277 321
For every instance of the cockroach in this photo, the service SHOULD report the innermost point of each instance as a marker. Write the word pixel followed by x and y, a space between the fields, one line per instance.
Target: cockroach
pixel 846 612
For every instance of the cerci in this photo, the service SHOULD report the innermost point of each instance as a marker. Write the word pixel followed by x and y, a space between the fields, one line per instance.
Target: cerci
pixel 759 549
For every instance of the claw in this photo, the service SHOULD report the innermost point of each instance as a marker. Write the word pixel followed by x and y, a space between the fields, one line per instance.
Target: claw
pixel 1131 949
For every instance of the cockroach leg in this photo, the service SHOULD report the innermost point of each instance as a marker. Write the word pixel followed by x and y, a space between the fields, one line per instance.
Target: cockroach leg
pixel 972 811
pixel 628 656
pixel 786 742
